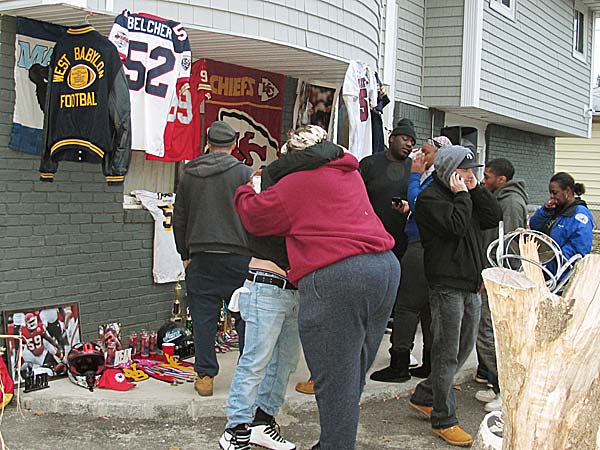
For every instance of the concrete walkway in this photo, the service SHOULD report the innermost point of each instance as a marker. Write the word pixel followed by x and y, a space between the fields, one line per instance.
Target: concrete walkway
pixel 157 399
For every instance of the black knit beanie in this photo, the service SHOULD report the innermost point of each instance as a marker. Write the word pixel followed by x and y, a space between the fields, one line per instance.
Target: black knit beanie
pixel 405 127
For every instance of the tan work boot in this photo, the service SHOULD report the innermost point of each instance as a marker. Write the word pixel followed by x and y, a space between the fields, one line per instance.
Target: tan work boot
pixel 204 386
pixel 424 410
pixel 455 436
pixel 306 387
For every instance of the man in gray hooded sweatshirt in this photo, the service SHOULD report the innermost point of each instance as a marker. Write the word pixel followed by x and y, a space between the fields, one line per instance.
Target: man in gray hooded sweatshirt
pixel 512 197
pixel 212 242
pixel 451 213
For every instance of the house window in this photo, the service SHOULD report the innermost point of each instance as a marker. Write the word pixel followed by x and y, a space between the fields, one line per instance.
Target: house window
pixel 579 33
pixel 505 7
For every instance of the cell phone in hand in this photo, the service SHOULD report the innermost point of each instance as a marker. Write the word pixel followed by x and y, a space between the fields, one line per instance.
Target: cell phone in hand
pixel 398 200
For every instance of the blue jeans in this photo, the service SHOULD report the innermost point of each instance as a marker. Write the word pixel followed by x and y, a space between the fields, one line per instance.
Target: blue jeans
pixel 454 324
pixel 271 351
pixel 344 308
pixel 210 279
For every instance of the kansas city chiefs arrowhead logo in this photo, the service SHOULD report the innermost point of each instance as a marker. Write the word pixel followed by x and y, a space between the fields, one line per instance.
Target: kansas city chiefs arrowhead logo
pixel 267 90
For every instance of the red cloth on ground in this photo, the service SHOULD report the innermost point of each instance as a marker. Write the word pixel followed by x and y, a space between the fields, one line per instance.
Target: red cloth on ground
pixel 114 379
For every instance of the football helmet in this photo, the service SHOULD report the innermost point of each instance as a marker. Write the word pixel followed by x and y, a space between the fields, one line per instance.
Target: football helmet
pixel 86 364
pixel 27 370
pixel 31 320
pixel 179 335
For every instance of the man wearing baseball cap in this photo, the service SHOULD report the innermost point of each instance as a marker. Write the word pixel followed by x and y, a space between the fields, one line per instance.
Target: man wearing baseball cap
pixel 451 213
pixel 212 243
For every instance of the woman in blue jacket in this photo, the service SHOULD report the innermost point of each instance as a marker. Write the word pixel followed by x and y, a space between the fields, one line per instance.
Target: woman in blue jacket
pixel 565 218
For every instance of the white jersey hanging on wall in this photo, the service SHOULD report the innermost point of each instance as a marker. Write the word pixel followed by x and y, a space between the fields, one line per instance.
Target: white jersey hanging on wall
pixel 157 58
pixel 167 266
pixel 360 94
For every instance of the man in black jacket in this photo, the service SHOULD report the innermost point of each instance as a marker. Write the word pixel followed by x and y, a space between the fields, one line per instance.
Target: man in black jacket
pixel 451 213
pixel 386 175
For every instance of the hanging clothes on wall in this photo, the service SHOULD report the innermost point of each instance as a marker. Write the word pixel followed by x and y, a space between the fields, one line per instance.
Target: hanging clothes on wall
pixel 87 115
pixel 157 58
pixel 360 95
pixel 184 131
pixel 34 44
pixel 251 102
pixel 167 266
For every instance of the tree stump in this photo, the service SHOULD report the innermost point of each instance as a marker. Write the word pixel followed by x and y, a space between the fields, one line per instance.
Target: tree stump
pixel 547 348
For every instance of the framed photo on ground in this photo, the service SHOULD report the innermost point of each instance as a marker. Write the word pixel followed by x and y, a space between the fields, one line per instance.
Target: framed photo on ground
pixel 49 333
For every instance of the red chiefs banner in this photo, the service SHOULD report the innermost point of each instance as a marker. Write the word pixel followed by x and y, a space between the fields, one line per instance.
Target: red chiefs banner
pixel 251 101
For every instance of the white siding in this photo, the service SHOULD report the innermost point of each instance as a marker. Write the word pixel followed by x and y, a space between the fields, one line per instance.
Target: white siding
pixel 528 71
pixel 443 53
pixel 343 28
pixel 581 158
pixel 381 59
pixel 409 65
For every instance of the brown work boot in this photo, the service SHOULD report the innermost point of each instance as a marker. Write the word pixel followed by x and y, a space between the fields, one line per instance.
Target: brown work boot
pixel 424 410
pixel 306 387
pixel 455 436
pixel 204 386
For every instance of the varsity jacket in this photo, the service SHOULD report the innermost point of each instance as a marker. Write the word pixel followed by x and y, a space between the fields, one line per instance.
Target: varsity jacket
pixel 87 111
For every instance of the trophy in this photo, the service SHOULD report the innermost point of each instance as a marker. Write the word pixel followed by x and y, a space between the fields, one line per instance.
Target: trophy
pixel 176 313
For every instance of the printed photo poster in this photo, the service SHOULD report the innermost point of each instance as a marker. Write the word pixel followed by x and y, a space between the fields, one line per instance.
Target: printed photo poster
pixel 34 44
pixel 251 101
pixel 315 105
pixel 49 333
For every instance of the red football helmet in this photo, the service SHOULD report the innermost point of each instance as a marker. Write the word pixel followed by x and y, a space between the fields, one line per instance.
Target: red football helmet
pixel 86 364
pixel 31 320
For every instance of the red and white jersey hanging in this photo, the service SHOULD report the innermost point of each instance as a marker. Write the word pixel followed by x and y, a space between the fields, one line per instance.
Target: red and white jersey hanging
pixel 183 131
pixel 157 58
pixel 360 94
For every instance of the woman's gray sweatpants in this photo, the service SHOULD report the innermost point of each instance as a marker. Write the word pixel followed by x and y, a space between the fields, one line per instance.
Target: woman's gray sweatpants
pixel 344 309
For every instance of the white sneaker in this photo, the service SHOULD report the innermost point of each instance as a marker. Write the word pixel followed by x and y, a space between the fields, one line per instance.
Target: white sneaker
pixel 494 405
pixel 413 361
pixel 268 436
pixel 235 441
pixel 485 396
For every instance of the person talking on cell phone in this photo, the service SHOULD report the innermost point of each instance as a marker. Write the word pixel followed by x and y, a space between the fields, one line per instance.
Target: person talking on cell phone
pixel 451 213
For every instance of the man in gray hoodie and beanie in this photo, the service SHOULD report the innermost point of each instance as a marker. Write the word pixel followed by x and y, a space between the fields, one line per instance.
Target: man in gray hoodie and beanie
pixel 512 197
pixel 451 213
pixel 212 243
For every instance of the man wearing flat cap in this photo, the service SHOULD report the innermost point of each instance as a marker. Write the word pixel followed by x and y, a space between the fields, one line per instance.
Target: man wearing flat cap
pixel 212 243
pixel 451 213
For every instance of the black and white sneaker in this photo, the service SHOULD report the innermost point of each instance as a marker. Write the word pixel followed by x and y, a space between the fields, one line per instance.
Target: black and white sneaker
pixel 268 436
pixel 238 440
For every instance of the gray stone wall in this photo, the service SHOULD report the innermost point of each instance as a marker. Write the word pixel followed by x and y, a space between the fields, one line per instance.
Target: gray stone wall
pixel 71 240
pixel 531 154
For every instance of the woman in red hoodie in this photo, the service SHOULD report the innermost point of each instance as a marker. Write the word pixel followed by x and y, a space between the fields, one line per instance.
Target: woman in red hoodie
pixel 339 258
